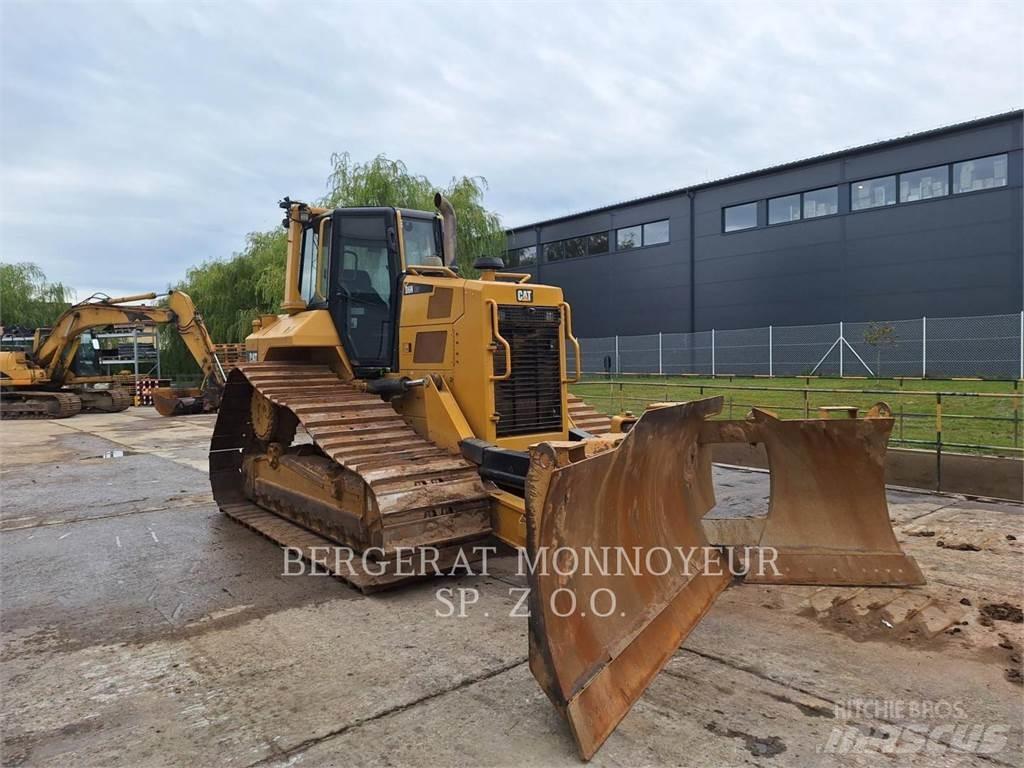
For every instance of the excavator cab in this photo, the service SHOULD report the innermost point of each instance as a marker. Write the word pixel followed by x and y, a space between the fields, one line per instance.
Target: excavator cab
pixel 87 356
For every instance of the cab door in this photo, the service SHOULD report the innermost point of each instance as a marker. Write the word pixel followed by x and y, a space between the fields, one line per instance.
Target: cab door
pixel 365 268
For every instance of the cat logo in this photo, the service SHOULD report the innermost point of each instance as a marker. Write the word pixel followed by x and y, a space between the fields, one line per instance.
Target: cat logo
pixel 524 294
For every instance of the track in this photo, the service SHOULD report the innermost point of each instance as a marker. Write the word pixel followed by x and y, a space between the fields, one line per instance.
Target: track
pixel 392 489
pixel 106 400
pixel 39 405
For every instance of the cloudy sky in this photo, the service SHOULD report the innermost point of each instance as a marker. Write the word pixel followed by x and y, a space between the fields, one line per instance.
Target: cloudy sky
pixel 139 139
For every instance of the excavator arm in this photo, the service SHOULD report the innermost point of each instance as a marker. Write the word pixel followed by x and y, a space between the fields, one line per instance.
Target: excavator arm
pixel 55 352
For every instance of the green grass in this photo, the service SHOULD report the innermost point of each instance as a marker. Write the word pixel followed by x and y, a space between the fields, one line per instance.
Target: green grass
pixel 991 423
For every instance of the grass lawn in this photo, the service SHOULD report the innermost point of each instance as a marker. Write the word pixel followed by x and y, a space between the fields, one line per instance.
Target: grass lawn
pixel 986 421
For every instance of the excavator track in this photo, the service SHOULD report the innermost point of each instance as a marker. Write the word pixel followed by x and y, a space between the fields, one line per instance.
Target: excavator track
pixel 585 417
pixel 112 400
pixel 39 405
pixel 368 482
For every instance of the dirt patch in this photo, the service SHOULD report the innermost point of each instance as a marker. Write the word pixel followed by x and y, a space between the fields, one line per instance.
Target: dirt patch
pixel 759 746
pixel 807 709
pixel 960 546
pixel 1003 612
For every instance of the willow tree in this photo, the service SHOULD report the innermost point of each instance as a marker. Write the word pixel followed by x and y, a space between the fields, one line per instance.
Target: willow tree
pixel 231 292
pixel 387 182
pixel 28 299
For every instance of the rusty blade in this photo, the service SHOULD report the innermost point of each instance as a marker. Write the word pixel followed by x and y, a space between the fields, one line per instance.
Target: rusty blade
pixel 828 518
pixel 642 494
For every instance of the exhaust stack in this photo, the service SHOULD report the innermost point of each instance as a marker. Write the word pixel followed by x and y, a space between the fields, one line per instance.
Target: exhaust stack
pixel 448 215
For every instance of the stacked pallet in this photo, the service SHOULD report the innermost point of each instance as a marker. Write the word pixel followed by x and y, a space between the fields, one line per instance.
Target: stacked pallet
pixel 230 355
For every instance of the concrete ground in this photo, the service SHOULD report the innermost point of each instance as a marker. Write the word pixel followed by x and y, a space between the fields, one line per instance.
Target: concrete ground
pixel 141 628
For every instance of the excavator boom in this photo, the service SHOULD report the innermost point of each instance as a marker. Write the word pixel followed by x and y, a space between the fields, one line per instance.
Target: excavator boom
pixel 41 384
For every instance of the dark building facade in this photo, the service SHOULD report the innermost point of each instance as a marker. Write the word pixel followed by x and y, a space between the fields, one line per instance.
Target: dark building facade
pixel 925 225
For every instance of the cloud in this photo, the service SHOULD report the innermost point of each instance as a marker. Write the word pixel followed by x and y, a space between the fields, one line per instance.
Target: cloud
pixel 139 139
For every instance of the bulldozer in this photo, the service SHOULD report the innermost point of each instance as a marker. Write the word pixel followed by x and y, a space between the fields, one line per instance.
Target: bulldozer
pixel 397 406
pixel 59 376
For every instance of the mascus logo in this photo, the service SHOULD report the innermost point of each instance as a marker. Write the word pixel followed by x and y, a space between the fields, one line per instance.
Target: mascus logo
pixel 524 294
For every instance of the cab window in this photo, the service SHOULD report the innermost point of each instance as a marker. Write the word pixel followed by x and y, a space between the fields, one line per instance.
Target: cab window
pixel 315 264
pixel 421 242
pixel 308 271
pixel 363 275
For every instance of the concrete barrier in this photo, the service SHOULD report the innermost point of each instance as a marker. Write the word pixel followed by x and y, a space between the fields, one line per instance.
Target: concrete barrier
pixel 992 476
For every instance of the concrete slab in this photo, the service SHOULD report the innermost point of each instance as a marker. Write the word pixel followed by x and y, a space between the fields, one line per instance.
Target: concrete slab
pixel 142 628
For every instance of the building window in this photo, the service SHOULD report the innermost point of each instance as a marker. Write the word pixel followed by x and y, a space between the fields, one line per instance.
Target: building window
pixel 924 184
pixel 873 193
pixel 628 237
pixel 739 217
pixel 521 257
pixel 783 209
pixel 821 202
pixel 575 247
pixel 983 173
pixel 554 251
pixel 597 243
pixel 656 232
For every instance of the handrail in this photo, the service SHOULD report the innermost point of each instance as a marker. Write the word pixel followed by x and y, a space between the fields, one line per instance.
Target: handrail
pixel 567 324
pixel 428 269
pixel 497 335
pixel 516 277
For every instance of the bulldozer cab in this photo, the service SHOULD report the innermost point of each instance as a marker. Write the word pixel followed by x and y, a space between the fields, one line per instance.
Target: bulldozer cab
pixel 352 263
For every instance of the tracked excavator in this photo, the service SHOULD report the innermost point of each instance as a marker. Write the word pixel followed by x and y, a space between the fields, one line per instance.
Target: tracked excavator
pixel 57 378
pixel 398 406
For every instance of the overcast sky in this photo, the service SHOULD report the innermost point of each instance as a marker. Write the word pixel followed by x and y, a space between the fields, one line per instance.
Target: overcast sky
pixel 139 139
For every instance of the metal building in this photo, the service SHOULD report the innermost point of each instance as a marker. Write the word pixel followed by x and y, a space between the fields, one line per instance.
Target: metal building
pixel 928 224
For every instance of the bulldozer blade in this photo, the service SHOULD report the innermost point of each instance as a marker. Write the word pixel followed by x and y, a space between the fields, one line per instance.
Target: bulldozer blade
pixel 177 401
pixel 828 519
pixel 599 635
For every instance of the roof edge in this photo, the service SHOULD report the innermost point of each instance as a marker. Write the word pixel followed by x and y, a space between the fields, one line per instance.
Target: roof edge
pixel 967 124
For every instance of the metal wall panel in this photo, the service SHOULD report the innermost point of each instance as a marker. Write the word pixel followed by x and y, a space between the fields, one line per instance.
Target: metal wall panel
pixel 957 255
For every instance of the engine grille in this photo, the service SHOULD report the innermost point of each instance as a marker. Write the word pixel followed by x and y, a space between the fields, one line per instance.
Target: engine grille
pixel 531 400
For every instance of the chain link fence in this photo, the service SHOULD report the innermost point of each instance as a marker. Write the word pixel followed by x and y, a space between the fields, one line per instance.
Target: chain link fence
pixel 988 347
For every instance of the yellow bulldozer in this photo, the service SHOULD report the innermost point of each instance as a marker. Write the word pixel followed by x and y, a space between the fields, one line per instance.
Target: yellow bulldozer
pixel 58 376
pixel 399 407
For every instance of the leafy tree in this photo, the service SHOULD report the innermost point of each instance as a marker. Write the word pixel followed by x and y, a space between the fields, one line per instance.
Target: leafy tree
pixel 230 293
pixel 879 336
pixel 28 299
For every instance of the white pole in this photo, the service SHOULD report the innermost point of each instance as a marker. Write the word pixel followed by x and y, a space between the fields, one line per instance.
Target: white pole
pixel 842 341
pixel 712 353
pixel 771 358
pixel 617 369
pixel 924 347
pixel 1022 343
pixel 659 354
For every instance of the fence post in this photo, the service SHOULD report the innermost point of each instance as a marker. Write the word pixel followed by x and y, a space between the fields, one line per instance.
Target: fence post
pixel 712 353
pixel 660 372
pixel 924 347
pixel 617 369
pixel 771 357
pixel 842 341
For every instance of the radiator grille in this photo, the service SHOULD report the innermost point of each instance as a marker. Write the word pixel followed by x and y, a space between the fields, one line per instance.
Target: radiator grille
pixel 531 400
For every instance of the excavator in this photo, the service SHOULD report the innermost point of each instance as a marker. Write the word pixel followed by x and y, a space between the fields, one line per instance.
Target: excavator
pixel 58 376
pixel 397 406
